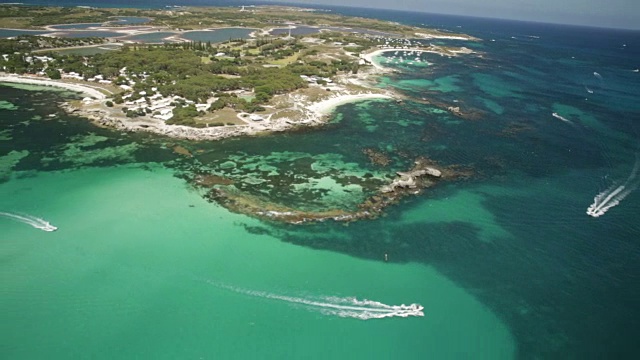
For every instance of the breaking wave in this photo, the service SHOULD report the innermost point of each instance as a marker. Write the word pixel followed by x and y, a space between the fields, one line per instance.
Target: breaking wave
pixel 36 222
pixel 614 194
pixel 346 307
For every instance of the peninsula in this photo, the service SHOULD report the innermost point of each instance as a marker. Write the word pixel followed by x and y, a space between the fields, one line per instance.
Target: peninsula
pixel 271 80
pixel 162 71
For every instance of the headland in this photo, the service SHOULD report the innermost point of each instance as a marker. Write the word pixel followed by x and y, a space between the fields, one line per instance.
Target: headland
pixel 290 71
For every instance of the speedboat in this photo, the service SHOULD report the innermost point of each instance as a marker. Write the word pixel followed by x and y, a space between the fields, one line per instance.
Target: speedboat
pixel 48 227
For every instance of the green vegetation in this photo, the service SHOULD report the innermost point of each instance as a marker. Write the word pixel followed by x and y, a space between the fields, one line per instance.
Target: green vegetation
pixel 26 43
pixel 188 18
pixel 194 72
pixel 354 44
pixel 264 16
pixel 19 16
pixel 178 70
pixel 184 115
pixel 53 74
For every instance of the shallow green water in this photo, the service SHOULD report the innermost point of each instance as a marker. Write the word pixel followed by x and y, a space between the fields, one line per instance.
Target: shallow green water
pixel 141 266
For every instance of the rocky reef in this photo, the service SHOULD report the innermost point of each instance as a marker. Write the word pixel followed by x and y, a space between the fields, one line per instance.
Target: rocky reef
pixel 422 175
pixel 413 178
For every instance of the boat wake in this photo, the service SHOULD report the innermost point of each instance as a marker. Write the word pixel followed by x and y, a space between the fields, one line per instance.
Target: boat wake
pixel 36 222
pixel 614 194
pixel 346 307
pixel 366 309
pixel 560 117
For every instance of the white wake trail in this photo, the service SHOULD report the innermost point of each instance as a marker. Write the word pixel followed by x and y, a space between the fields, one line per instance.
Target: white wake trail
pixel 348 307
pixel 615 194
pixel 36 222
pixel 560 117
pixel 366 309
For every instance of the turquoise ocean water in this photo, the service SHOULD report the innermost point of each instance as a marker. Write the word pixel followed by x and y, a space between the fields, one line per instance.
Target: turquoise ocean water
pixel 507 263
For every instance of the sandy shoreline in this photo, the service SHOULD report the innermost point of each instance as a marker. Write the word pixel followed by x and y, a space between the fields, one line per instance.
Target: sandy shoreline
pixel 327 106
pixel 81 88
pixel 370 56
pixel 448 37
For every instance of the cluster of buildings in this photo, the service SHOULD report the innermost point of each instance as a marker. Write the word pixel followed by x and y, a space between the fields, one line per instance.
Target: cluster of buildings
pixel 314 79
pixel 31 59
pixel 74 75
pixel 161 107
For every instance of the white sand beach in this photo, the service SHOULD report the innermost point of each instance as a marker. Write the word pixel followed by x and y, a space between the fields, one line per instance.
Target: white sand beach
pixel 448 37
pixel 433 49
pixel 81 88
pixel 370 56
pixel 325 107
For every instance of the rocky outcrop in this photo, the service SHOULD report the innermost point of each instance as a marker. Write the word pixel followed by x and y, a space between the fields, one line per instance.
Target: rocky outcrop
pixel 103 118
pixel 454 109
pixel 411 179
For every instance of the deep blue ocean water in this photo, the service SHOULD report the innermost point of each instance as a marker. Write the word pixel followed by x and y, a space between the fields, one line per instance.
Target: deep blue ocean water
pixel 516 234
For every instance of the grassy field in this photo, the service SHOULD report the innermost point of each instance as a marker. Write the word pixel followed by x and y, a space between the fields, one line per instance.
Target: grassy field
pixel 285 61
pixel 14 22
pixel 224 116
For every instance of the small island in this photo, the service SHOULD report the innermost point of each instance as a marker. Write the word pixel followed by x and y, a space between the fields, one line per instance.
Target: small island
pixel 293 67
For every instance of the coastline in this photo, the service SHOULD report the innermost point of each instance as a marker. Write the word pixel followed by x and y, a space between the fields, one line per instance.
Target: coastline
pixel 327 106
pixel 312 113
pixel 81 88
pixel 369 57
pixel 296 109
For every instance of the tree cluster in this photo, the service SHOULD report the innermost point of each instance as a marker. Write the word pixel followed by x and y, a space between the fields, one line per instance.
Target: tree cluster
pixel 26 43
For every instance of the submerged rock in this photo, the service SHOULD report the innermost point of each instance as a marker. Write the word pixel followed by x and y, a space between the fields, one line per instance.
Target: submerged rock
pixel 377 157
